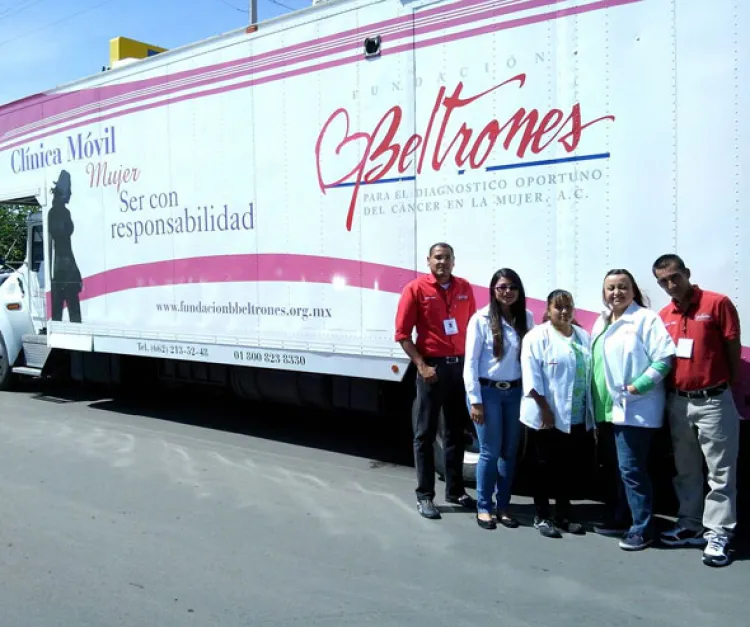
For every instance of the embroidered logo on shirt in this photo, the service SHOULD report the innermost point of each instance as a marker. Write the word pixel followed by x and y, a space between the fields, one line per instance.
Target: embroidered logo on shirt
pixel 703 316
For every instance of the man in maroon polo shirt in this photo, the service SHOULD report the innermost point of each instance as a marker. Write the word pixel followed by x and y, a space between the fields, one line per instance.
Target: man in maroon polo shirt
pixel 703 419
pixel 439 305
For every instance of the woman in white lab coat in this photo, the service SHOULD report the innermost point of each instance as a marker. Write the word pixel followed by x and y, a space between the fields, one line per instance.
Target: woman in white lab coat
pixel 632 352
pixel 556 406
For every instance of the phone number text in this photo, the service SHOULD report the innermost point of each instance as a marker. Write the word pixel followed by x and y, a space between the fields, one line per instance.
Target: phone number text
pixel 285 359
pixel 172 350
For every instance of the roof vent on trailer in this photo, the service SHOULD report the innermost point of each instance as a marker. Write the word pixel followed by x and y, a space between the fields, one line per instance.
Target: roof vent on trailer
pixel 372 46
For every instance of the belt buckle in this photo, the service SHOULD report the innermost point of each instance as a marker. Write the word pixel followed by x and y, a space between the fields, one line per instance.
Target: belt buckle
pixel 451 360
pixel 502 385
pixel 707 393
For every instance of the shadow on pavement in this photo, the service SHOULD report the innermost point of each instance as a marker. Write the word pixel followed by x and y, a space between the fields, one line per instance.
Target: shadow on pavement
pixel 384 441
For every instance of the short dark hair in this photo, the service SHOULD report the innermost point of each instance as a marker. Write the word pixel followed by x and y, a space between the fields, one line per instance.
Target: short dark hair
pixel 668 260
pixel 441 245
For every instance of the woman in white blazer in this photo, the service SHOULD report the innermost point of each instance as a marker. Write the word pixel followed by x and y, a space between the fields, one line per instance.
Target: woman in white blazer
pixel 632 352
pixel 492 378
pixel 556 406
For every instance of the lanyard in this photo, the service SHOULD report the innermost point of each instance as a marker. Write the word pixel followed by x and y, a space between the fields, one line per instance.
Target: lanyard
pixel 684 325
pixel 448 302
pixel 684 320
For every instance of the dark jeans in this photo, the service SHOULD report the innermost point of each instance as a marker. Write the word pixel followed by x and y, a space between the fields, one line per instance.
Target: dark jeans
pixel 557 467
pixel 448 394
pixel 610 480
pixel 633 448
pixel 65 293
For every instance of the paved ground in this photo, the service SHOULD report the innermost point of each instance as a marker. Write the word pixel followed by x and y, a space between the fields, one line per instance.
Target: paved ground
pixel 116 514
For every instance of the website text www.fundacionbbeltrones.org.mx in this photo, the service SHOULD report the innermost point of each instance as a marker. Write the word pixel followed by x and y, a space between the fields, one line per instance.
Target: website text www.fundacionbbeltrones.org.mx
pixel 248 309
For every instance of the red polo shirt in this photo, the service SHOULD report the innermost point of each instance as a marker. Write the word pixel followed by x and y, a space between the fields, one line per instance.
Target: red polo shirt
pixel 425 305
pixel 710 320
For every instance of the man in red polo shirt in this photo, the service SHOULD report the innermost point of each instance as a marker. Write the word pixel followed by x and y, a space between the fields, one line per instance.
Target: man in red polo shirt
pixel 439 305
pixel 703 419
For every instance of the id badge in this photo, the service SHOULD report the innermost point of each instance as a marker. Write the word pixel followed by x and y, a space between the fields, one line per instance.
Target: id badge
pixel 684 348
pixel 451 328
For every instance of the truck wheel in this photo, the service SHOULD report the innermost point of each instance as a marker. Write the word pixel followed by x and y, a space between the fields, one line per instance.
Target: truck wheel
pixel 5 372
pixel 471 453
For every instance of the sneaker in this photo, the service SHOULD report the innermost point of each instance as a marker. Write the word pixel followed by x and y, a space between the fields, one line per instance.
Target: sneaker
pixel 635 542
pixel 427 509
pixel 680 536
pixel 546 527
pixel 715 553
pixel 611 528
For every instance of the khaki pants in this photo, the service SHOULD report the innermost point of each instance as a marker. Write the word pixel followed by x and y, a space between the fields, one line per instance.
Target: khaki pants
pixel 706 429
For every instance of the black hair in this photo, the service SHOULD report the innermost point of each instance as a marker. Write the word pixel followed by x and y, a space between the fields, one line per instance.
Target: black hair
pixel 517 311
pixel 441 245
pixel 637 294
pixel 556 296
pixel 667 260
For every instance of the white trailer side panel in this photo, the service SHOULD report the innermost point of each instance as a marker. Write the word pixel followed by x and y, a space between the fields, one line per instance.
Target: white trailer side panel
pixel 560 138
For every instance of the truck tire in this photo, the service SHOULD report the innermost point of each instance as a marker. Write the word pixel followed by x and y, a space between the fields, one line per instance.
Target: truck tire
pixel 471 453
pixel 6 374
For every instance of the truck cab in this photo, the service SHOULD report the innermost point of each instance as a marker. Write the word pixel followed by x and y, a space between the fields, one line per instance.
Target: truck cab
pixel 23 311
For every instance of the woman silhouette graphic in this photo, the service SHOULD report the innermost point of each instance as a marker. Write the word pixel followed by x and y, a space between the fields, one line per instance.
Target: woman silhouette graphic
pixel 66 283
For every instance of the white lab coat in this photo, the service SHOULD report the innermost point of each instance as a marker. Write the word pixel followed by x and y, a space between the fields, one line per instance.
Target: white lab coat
pixel 631 344
pixel 549 367
pixel 480 360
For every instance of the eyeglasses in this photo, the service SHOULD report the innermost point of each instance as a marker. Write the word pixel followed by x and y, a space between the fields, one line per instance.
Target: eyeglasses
pixel 508 287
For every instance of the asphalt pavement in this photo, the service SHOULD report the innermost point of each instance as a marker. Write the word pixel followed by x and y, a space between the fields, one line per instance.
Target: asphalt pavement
pixel 133 513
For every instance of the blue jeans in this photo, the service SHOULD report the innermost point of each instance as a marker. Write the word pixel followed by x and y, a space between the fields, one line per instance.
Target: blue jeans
pixel 615 501
pixel 633 448
pixel 498 443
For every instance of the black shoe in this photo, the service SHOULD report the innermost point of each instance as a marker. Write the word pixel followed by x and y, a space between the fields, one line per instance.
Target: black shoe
pixel 486 524
pixel 568 526
pixel 546 527
pixel 614 528
pixel 427 509
pixel 508 521
pixel 680 536
pixel 464 501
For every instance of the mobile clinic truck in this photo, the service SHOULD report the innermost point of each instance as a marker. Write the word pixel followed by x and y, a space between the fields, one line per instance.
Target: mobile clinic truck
pixel 246 210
